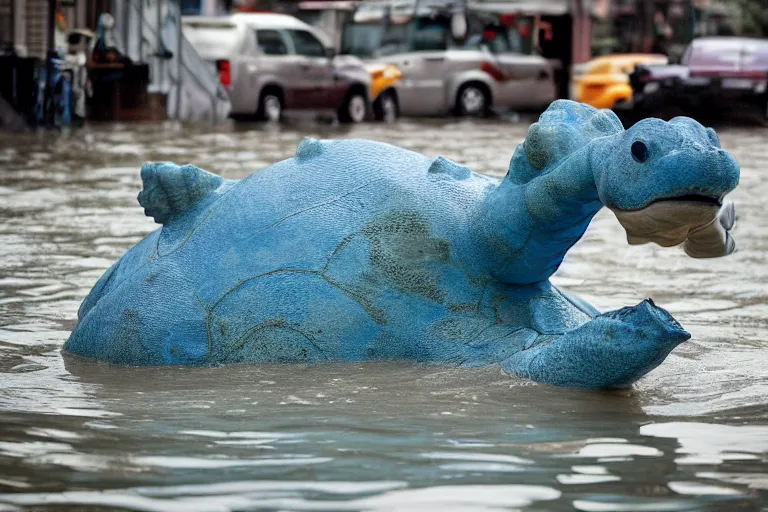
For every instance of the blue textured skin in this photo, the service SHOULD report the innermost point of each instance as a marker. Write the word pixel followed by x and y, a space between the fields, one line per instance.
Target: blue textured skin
pixel 358 250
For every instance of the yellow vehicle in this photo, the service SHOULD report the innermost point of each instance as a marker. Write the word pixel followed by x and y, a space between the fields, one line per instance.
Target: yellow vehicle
pixel 603 82
pixel 384 79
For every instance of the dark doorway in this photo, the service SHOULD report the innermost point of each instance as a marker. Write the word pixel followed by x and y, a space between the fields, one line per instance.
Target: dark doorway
pixel 555 44
pixel 94 9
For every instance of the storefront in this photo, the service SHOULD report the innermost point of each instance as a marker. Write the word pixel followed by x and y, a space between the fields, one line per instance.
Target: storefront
pixel 643 26
pixel 559 30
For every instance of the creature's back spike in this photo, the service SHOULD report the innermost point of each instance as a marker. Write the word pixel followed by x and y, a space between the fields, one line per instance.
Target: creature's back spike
pixel 564 128
pixel 171 190
pixel 443 166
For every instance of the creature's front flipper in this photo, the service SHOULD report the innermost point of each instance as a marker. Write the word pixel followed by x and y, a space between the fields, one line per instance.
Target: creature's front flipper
pixel 611 351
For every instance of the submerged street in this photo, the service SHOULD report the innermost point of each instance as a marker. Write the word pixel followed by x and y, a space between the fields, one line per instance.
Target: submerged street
pixel 692 435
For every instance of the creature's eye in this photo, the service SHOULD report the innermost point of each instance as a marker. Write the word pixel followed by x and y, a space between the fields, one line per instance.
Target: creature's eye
pixel 639 151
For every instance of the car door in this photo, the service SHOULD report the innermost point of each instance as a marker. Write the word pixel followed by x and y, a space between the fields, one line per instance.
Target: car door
pixel 422 90
pixel 426 67
pixel 314 67
pixel 278 64
pixel 528 80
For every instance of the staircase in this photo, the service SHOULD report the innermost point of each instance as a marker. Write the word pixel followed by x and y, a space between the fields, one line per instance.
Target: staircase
pixel 150 31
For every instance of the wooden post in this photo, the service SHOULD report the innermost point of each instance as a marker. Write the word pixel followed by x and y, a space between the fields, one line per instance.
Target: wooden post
pixel 51 26
pixel 141 30
pixel 179 61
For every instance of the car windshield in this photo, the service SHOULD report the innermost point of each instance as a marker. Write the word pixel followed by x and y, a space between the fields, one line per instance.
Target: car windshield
pixel 361 39
pixel 425 34
pixel 212 40
pixel 495 40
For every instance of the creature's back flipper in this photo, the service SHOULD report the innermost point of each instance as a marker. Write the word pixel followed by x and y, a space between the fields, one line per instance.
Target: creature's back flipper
pixel 564 128
pixel 180 198
pixel 171 191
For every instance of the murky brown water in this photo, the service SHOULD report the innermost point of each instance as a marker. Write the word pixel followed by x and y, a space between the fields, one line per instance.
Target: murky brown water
pixel 693 435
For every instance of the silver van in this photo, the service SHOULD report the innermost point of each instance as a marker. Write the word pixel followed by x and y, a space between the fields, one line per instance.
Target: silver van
pixel 453 61
pixel 271 63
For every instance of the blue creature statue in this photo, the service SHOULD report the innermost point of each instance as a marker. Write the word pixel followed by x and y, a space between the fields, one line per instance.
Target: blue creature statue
pixel 357 250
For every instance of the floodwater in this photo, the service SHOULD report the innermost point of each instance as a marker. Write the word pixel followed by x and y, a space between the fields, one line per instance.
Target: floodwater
pixel 76 435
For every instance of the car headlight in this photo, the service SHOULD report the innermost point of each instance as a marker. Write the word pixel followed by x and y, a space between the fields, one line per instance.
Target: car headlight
pixel 391 73
pixel 651 88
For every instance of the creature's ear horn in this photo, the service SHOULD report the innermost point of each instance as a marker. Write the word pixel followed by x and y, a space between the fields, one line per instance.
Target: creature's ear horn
pixel 713 137
pixel 170 190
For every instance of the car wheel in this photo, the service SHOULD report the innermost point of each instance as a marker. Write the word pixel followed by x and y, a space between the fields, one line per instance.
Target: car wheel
pixel 270 107
pixel 354 109
pixel 472 100
pixel 385 108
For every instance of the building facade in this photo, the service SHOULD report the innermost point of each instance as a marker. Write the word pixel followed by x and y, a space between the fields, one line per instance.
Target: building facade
pixel 30 26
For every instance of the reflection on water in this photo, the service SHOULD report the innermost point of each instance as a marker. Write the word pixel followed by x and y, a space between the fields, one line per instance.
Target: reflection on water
pixel 76 435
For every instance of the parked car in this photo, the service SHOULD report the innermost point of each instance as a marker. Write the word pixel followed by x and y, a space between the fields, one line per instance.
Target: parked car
pixel 272 63
pixel 460 62
pixel 716 74
pixel 330 17
pixel 603 82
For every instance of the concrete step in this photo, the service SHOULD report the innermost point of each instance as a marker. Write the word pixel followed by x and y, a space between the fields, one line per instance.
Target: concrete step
pixel 10 120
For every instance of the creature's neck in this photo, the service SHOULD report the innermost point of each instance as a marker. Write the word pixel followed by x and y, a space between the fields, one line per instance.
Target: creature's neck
pixel 531 226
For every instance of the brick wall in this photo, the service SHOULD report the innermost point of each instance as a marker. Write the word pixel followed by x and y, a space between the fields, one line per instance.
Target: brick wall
pixel 37 27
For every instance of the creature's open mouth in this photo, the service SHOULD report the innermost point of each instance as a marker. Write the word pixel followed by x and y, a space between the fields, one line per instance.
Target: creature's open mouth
pixel 694 198
pixel 690 218
pixel 687 198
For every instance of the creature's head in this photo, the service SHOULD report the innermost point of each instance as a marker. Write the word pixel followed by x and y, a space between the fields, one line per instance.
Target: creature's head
pixel 666 181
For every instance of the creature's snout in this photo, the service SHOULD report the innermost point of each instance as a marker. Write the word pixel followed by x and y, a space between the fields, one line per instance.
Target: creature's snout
pixel 708 172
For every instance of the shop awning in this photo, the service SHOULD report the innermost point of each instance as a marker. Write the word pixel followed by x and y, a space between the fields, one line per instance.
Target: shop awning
pixel 529 7
pixel 333 5
pixel 518 7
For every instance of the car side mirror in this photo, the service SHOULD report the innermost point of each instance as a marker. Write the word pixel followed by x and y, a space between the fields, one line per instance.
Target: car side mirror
pixel 330 53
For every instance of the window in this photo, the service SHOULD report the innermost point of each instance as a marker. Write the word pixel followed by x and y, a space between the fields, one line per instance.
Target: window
pixel 370 39
pixel 271 42
pixel 429 35
pixel 190 7
pixel 361 39
pixel 494 39
pixel 307 44
pixel 211 40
